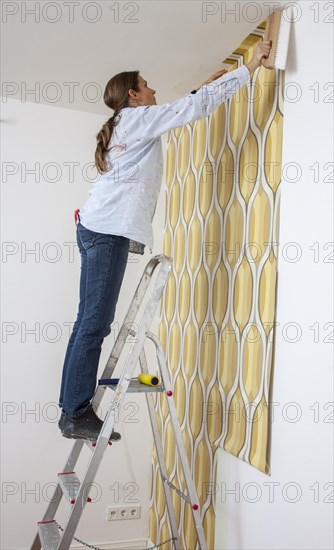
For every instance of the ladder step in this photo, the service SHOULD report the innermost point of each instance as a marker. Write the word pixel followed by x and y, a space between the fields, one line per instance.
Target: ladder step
pixel 134 385
pixel 48 535
pixel 70 485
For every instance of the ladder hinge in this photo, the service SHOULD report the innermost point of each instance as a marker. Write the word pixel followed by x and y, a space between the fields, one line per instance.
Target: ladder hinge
pixel 182 495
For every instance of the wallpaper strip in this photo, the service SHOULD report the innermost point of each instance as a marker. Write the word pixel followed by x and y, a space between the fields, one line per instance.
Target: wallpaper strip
pixel 218 308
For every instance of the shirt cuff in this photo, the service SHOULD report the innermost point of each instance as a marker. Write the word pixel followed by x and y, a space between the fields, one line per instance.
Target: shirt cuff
pixel 243 74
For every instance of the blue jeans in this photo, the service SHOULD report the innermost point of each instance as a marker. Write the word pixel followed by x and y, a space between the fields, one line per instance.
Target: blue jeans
pixel 103 263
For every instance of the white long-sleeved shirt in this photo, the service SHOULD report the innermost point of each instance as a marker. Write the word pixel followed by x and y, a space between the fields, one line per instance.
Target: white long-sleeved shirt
pixel 123 200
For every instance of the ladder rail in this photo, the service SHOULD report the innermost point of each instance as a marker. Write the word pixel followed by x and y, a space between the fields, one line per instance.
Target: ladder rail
pixel 161 457
pixel 192 494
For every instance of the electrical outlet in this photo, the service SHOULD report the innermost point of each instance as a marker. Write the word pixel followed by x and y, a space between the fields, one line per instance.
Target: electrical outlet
pixel 134 512
pixel 123 512
pixel 112 513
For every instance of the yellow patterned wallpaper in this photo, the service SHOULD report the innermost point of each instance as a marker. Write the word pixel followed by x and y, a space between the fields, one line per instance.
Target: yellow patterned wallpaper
pixel 218 308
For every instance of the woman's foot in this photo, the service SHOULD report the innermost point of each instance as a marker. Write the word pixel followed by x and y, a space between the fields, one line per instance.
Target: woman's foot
pixel 86 426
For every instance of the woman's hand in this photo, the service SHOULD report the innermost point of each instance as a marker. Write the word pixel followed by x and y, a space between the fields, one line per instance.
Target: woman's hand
pixel 262 49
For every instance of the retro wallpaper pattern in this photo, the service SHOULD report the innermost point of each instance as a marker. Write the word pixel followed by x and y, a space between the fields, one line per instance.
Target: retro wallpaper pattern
pixel 218 308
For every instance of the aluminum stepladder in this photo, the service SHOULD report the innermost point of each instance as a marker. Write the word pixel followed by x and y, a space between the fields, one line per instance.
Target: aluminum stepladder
pixel 48 536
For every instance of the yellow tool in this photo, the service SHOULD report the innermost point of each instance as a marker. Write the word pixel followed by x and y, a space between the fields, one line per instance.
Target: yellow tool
pixel 148 379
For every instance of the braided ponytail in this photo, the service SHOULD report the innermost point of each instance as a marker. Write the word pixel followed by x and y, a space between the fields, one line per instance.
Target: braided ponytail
pixel 116 97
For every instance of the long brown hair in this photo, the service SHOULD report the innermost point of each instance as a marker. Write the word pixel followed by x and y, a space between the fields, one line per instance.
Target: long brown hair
pixel 116 97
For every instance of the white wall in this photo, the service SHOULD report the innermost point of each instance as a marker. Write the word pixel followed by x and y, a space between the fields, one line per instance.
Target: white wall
pixel 38 290
pixel 300 514
pixel 40 293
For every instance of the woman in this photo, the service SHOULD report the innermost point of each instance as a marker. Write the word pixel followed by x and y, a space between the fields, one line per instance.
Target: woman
pixel 116 219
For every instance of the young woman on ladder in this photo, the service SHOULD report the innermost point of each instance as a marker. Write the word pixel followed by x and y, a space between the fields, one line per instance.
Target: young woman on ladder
pixel 116 218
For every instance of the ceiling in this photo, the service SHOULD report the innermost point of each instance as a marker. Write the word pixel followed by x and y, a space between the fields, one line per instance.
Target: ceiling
pixel 68 51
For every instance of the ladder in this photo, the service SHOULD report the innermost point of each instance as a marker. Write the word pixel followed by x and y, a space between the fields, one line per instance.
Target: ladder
pixel 48 536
